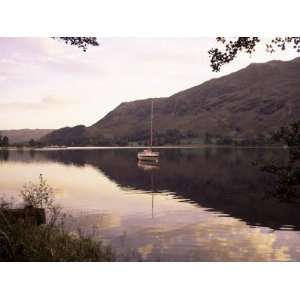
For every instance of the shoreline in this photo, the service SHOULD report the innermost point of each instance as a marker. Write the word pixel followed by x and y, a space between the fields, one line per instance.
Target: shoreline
pixel 141 147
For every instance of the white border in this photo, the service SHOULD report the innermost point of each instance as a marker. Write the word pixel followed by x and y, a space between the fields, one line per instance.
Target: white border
pixel 154 18
pixel 150 281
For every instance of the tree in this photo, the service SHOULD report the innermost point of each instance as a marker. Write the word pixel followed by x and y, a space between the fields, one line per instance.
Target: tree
pixel 218 58
pixel 5 141
pixel 286 169
pixel 289 135
pixel 32 143
pixel 80 42
pixel 207 138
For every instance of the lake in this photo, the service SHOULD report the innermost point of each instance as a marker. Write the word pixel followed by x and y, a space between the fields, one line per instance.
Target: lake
pixel 205 204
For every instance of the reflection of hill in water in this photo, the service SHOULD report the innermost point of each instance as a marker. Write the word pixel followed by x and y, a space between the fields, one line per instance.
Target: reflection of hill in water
pixel 222 180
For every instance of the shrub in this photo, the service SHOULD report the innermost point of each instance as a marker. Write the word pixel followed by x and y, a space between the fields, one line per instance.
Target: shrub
pixel 22 241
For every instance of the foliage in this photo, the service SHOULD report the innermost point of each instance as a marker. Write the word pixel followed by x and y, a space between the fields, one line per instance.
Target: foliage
pixel 21 241
pixel 281 43
pixel 287 173
pixel 80 42
pixel 207 138
pixel 4 141
pixel 169 137
pixel 35 144
pixel 47 243
pixel 287 180
pixel 289 135
pixel 41 195
pixel 38 195
pixel 218 57
pixel 32 143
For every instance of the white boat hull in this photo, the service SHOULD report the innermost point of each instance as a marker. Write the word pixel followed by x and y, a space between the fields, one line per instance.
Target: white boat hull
pixel 148 156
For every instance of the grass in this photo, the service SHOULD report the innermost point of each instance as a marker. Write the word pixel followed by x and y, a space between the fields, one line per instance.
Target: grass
pixel 45 243
pixel 49 242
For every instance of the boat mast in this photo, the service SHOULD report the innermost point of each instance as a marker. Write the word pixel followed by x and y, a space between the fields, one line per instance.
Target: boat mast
pixel 151 125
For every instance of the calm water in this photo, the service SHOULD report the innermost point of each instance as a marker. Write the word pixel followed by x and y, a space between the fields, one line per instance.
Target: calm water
pixel 199 205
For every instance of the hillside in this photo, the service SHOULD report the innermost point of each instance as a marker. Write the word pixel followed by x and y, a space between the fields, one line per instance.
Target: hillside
pixel 246 104
pixel 24 135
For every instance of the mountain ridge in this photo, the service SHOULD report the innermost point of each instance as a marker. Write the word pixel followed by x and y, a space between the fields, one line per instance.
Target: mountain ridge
pixel 242 105
pixel 24 135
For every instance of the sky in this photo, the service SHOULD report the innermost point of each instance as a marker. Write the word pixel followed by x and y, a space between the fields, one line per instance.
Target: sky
pixel 47 84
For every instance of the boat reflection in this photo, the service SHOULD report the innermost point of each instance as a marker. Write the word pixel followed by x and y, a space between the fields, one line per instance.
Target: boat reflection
pixel 149 166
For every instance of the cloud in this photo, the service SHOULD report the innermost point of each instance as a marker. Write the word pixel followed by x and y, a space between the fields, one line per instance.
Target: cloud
pixel 47 113
pixel 58 101
pixel 48 102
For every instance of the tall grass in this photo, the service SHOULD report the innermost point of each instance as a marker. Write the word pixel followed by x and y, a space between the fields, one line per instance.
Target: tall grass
pixel 21 241
pixel 47 243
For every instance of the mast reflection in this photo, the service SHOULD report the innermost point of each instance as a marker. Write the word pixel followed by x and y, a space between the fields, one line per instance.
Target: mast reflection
pixel 149 167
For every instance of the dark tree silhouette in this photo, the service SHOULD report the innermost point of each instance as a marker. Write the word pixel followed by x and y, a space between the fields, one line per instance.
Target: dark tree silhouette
pixel 246 44
pixel 80 42
pixel 32 143
pixel 4 142
pixel 289 135
pixel 286 171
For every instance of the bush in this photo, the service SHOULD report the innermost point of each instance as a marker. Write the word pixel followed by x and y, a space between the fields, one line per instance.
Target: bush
pixel 22 241
pixel 41 195
pixel 47 243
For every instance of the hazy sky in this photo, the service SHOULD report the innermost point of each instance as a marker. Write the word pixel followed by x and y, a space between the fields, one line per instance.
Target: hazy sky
pixel 47 84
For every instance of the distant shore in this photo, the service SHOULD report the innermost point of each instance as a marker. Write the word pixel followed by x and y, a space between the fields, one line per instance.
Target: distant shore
pixel 140 147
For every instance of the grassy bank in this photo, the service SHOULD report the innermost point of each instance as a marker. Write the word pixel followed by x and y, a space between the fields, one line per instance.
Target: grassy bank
pixel 24 239
pixel 44 243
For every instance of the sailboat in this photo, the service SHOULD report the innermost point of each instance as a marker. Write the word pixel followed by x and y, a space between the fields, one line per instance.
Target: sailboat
pixel 148 154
